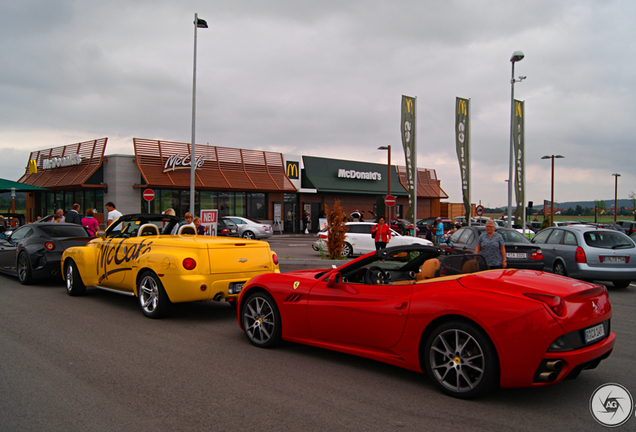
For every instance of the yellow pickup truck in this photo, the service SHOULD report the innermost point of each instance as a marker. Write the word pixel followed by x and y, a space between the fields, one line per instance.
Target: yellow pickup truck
pixel 137 255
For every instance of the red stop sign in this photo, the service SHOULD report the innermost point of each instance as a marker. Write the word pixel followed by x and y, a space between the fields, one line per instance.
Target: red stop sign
pixel 149 194
pixel 389 200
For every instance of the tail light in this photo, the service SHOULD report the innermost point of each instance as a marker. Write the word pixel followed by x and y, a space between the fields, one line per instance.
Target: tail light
pixel 579 256
pixel 49 246
pixel 225 231
pixel 189 263
pixel 554 302
pixel 275 258
pixel 322 236
pixel 538 255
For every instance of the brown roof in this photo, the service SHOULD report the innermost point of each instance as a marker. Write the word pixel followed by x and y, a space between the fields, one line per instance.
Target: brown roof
pixel 92 156
pixel 427 184
pixel 220 168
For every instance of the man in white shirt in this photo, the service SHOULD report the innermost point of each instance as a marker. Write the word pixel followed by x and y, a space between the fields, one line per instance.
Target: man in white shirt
pixel 113 213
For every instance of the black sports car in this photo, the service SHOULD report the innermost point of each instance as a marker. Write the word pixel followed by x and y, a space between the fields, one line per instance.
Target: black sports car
pixel 33 251
pixel 520 253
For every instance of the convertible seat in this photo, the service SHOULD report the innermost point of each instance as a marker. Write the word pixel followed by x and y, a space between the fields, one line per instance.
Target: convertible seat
pixel 470 266
pixel 147 230
pixel 187 230
pixel 428 269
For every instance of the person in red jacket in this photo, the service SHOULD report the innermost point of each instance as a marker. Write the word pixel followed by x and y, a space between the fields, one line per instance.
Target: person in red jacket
pixel 381 233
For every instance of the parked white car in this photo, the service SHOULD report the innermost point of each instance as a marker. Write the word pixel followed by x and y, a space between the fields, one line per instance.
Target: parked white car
pixel 251 229
pixel 358 240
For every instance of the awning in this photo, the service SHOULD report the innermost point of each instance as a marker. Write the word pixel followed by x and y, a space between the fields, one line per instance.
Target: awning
pixel 68 166
pixel 165 164
pixel 7 185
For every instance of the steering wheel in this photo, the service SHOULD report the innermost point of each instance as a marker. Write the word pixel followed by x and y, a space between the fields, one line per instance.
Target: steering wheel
pixel 376 276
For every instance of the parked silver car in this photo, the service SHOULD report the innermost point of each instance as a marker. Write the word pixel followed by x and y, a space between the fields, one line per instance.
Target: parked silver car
pixel 588 253
pixel 252 229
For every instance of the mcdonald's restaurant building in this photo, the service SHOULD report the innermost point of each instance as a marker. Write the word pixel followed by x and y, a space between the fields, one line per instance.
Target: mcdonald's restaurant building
pixel 266 186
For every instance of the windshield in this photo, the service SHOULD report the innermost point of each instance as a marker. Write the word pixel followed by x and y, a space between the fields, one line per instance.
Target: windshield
pixel 512 236
pixel 608 240
pixel 59 231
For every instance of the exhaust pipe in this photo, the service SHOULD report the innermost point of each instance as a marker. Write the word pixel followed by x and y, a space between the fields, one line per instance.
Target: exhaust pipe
pixel 218 296
pixel 548 376
pixel 555 365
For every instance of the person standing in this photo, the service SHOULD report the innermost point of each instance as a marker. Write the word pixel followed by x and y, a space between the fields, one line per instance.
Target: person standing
pixel 491 246
pixel 197 224
pixel 113 213
pixel 73 215
pixel 381 233
pixel 60 215
pixel 90 223
pixel 439 231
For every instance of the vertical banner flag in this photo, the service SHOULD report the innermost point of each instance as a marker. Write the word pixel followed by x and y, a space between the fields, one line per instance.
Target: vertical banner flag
pixel 518 128
pixel 408 141
pixel 462 146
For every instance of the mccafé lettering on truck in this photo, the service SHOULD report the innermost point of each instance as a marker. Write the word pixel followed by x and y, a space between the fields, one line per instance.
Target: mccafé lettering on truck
pixel 119 253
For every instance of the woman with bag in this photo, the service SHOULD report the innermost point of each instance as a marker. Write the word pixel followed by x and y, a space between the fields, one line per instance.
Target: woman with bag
pixel 381 233
pixel 90 223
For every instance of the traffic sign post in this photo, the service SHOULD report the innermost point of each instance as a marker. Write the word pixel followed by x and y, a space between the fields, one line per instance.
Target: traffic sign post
pixel 389 201
pixel 479 210
pixel 148 195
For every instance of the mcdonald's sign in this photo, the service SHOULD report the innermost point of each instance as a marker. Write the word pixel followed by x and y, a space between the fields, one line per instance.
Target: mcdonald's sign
pixel 292 170
pixel 33 166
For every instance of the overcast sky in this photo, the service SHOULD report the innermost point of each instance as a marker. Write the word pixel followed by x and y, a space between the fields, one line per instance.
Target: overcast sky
pixel 325 78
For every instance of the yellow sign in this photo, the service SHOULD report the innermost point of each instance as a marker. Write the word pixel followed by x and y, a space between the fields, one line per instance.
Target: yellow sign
pixel 292 170
pixel 33 166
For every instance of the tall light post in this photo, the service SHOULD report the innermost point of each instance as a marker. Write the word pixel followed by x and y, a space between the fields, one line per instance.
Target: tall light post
pixel 616 176
pixel 388 149
pixel 198 23
pixel 552 186
pixel 516 56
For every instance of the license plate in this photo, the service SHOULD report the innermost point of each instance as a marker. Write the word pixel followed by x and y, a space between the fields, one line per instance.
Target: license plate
pixel 614 259
pixel 594 333
pixel 515 255
pixel 236 287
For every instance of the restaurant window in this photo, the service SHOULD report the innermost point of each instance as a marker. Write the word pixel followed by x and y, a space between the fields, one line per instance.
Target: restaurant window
pixel 256 206
pixel 207 200
pixel 68 200
pixel 239 204
pixel 78 197
pixel 226 203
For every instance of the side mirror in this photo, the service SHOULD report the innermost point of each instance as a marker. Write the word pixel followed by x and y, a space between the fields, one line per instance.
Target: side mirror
pixel 334 280
pixel 100 234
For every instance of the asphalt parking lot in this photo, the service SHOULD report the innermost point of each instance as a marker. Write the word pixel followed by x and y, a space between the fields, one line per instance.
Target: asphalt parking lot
pixel 95 363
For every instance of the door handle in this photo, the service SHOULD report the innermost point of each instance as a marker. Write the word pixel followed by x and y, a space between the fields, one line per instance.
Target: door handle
pixel 400 305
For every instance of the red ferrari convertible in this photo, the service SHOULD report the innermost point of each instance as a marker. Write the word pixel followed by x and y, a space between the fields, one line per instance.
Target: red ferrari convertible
pixel 469 328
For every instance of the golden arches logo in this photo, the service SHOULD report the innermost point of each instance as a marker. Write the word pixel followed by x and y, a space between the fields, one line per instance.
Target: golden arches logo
pixel 518 109
pixel 461 107
pixel 408 103
pixel 33 166
pixel 292 170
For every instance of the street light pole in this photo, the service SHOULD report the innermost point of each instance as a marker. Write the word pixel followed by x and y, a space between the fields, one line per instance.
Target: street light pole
pixel 516 56
pixel 616 176
pixel 388 149
pixel 198 23
pixel 552 186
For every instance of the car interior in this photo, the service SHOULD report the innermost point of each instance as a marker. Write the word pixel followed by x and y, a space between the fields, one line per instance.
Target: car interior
pixel 414 266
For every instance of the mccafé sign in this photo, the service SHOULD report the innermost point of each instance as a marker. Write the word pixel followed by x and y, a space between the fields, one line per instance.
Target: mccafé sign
pixel 57 162
pixel 181 162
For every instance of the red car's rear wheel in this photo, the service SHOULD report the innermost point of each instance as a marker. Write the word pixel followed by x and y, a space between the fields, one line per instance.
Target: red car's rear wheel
pixel 461 360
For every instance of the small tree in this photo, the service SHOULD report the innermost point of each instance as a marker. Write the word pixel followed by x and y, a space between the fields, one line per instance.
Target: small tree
pixel 336 231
